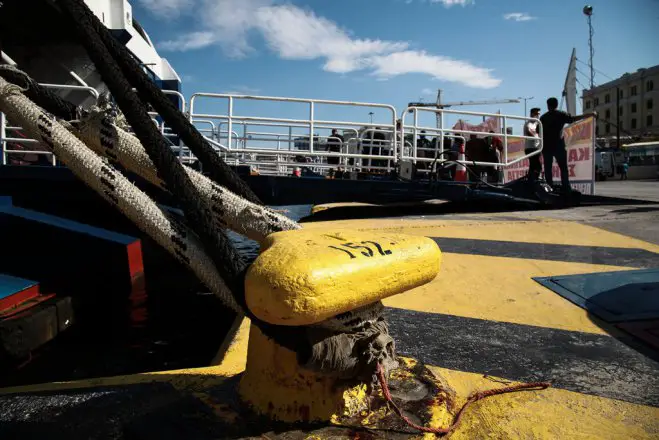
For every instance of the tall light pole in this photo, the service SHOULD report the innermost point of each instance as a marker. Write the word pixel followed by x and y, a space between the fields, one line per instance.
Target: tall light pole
pixel 588 12
pixel 525 99
pixel 371 115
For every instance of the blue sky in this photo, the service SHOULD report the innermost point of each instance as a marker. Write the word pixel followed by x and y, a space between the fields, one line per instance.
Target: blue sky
pixel 395 51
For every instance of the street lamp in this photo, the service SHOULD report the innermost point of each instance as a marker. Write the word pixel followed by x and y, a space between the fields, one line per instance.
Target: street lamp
pixel 525 99
pixel 588 12
pixel 371 115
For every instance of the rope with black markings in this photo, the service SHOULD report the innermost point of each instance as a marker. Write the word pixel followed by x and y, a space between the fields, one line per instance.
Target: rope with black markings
pixel 227 260
pixel 219 171
pixel 254 221
pixel 102 135
pixel 114 188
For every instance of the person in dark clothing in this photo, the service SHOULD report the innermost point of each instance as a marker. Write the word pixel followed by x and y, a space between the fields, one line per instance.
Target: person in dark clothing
pixel 553 144
pixel 533 145
pixel 334 144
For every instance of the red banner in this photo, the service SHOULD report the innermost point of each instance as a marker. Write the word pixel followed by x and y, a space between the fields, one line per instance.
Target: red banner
pixel 490 124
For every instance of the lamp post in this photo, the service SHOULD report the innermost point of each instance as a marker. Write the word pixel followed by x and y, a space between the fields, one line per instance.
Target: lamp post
pixel 588 12
pixel 371 115
pixel 525 99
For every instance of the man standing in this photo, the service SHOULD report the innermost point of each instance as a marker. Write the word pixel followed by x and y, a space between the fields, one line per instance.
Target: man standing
pixel 553 143
pixel 533 145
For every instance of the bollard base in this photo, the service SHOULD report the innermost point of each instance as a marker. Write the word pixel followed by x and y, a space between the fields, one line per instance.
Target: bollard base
pixel 275 386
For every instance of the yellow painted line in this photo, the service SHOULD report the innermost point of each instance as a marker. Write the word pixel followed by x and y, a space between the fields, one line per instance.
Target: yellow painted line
pixel 501 289
pixel 186 379
pixel 543 231
pixel 547 414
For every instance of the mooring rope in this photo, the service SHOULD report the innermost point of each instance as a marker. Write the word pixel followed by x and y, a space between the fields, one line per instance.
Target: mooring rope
pixel 86 22
pixel 474 397
pixel 242 216
pixel 98 130
pixel 224 256
pixel 114 187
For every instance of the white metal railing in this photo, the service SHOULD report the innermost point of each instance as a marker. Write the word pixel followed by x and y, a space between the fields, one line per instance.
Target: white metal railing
pixel 277 144
pixel 310 124
pixel 416 128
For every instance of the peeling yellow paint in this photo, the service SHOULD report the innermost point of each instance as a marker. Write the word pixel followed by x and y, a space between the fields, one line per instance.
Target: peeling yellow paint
pixel 547 414
pixel 276 386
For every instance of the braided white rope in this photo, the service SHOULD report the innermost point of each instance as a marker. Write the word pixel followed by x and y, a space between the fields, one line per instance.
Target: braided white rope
pixel 244 217
pixel 181 242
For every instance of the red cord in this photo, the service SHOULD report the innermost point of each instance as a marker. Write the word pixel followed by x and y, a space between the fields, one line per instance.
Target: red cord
pixel 472 398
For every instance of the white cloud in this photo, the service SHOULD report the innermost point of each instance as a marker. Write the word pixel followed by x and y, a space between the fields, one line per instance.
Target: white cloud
pixel 449 3
pixel 294 33
pixel 439 67
pixel 518 16
pixel 167 8
pixel 428 91
pixel 193 40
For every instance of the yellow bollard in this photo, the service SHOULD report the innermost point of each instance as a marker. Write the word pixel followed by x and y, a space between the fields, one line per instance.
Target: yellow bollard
pixel 306 277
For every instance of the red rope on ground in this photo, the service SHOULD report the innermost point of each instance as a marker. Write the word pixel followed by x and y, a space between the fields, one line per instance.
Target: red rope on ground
pixel 472 398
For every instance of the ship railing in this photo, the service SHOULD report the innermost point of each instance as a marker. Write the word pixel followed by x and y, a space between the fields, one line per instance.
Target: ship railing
pixel 12 134
pixel 303 133
pixel 442 132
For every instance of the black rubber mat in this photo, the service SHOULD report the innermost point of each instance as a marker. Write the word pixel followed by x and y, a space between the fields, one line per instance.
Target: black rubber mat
pixel 612 296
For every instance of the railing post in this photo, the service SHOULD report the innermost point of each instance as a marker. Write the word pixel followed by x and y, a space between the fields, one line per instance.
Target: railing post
pixel 414 133
pixel 505 142
pixel 3 135
pixel 311 124
pixel 230 127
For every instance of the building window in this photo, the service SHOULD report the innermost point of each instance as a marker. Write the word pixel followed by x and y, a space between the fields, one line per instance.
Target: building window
pixel 607 98
pixel 608 114
pixel 621 125
pixel 649 86
pixel 633 123
pixel 620 94
pixel 620 111
pixel 587 105
pixel 633 91
pixel 607 128
pixel 633 107
pixel 597 102
pixel 648 120
pixel 649 104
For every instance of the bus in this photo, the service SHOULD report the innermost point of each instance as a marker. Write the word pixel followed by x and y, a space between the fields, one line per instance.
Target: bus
pixel 643 160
